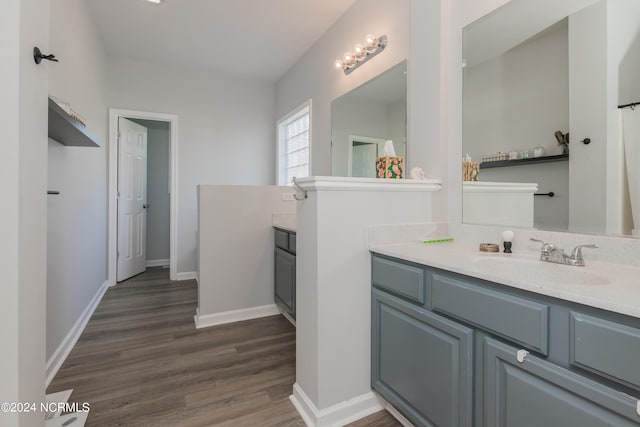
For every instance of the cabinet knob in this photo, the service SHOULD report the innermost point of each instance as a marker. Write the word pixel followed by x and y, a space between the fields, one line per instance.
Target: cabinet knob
pixel 521 355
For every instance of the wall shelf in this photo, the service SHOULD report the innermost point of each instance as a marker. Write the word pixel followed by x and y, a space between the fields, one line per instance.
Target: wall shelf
pixel 530 160
pixel 66 130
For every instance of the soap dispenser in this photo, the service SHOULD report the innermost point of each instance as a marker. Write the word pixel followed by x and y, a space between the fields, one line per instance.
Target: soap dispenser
pixel 507 237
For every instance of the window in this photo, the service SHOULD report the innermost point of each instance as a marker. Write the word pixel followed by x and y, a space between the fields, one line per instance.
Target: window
pixel 294 144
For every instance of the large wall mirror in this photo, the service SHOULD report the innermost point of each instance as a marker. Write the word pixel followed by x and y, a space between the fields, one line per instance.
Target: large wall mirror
pixel 541 73
pixel 364 118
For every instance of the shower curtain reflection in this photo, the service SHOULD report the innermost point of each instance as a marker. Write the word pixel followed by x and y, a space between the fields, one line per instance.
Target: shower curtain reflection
pixel 631 142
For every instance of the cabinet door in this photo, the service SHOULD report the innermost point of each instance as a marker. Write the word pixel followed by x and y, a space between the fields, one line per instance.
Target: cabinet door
pixel 535 393
pixel 285 281
pixel 421 362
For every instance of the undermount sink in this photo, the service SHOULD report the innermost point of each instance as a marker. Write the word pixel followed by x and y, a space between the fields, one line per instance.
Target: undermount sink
pixel 548 272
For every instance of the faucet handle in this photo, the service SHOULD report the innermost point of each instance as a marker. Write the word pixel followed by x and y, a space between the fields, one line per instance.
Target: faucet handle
pixel 546 247
pixel 576 253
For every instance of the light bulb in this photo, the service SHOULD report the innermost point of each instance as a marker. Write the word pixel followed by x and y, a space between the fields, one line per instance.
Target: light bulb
pixel 359 50
pixel 371 41
pixel 339 64
pixel 348 58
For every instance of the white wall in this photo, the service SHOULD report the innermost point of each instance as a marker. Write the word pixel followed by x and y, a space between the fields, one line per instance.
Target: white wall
pixel 236 246
pixel 23 117
pixel 550 213
pixel 333 336
pixel 77 218
pixel 226 133
pixel 158 197
pixel 314 76
pixel 9 209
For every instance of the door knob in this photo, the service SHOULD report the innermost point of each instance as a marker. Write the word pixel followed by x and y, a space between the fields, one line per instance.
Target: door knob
pixel 146 206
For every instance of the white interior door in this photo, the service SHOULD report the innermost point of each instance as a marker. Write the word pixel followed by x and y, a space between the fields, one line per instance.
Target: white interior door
pixel 132 199
pixel 361 155
pixel 364 160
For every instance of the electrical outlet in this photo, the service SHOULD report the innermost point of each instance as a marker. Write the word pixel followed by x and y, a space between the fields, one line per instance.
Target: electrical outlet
pixel 288 196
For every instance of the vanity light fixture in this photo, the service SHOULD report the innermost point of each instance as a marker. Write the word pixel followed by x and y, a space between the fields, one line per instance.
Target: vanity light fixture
pixel 362 52
pixel 155 1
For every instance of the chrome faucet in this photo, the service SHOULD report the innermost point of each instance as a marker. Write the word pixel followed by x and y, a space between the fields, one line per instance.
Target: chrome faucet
pixel 551 253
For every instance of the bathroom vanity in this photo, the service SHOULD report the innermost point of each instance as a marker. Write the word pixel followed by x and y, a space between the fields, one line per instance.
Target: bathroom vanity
pixel 285 271
pixel 450 349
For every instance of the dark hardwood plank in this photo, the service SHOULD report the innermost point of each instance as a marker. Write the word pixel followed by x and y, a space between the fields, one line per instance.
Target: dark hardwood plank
pixel 379 419
pixel 141 362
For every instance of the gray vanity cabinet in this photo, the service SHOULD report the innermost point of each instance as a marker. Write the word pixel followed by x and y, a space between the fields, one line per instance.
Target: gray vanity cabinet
pixel 422 362
pixel 452 350
pixel 285 271
pixel 532 392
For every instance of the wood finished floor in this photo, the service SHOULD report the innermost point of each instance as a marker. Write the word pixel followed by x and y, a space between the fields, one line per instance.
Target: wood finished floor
pixel 141 362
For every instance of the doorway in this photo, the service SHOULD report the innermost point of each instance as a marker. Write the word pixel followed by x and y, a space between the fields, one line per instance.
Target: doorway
pixel 125 241
pixel 362 153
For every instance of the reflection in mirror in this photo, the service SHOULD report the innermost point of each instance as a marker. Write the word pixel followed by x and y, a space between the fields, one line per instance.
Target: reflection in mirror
pixel 540 80
pixel 363 119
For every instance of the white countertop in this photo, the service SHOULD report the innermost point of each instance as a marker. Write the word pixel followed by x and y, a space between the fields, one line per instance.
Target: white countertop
pixel 603 285
pixel 286 227
pixel 285 221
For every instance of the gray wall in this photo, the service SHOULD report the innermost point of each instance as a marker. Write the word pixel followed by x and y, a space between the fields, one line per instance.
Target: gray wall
pixel 77 218
pixel 158 197
pixel 226 131
pixel 236 246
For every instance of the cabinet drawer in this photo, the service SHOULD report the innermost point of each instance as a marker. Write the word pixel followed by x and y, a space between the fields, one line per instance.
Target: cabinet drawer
pixel 606 348
pixel 282 239
pixel 403 280
pixel 292 243
pixel 517 319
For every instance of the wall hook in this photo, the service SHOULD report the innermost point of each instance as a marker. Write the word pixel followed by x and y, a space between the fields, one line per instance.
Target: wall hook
pixel 304 192
pixel 586 141
pixel 38 56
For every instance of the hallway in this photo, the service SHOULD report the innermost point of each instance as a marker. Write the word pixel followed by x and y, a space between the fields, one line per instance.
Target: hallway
pixel 140 361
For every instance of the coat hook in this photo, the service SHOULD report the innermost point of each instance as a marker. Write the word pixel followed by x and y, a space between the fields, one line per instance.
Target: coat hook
pixel 38 56
pixel 586 141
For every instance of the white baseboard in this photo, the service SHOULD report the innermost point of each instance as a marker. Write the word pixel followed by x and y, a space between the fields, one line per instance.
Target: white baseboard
pixel 189 275
pixel 65 347
pixel 157 263
pixel 206 320
pixel 337 415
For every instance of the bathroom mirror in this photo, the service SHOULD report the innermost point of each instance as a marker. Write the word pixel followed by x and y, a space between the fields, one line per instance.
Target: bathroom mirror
pixel 362 119
pixel 535 71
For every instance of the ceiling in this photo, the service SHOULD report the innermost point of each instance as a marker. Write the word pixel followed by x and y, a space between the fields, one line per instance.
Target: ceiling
pixel 255 39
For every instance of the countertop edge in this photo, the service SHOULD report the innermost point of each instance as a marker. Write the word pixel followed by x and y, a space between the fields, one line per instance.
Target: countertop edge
pixel 566 295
